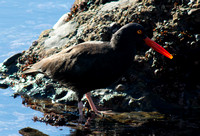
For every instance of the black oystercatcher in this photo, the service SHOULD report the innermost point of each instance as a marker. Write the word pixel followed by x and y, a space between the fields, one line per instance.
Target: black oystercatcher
pixel 95 64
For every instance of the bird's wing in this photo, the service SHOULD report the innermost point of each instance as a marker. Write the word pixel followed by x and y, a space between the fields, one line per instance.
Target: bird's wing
pixel 43 65
pixel 70 63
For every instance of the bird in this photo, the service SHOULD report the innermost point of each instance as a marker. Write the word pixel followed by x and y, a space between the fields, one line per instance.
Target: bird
pixel 96 64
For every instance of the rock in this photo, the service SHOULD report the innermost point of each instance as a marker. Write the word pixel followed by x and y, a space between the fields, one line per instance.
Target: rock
pixel 12 59
pixel 116 101
pixel 3 86
pixel 28 131
pixel 117 4
pixel 3 69
pixel 61 21
pixel 60 94
pixel 12 69
pixel 69 98
pixel 114 27
pixel 59 37
pixel 197 36
pixel 192 20
pixel 35 43
pixel 120 87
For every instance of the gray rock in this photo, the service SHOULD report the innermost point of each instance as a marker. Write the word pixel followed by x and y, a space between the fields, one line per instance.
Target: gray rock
pixel 59 36
pixel 61 21
pixel 69 97
pixel 117 4
pixel 3 68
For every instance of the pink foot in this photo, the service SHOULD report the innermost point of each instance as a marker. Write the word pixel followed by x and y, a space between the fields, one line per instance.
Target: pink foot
pixel 93 107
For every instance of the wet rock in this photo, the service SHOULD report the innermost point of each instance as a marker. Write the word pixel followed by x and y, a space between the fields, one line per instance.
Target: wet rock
pixel 28 131
pixel 12 69
pixel 3 86
pixel 12 59
pixel 69 97
pixel 116 101
pixel 3 69
pixel 60 94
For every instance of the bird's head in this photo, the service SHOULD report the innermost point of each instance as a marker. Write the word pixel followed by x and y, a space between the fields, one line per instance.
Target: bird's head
pixel 134 33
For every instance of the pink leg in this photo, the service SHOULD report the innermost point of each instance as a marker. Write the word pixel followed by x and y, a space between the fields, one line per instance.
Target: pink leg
pixel 80 108
pixel 91 103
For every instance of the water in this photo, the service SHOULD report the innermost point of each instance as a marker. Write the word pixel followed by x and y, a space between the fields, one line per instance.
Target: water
pixel 15 116
pixel 21 22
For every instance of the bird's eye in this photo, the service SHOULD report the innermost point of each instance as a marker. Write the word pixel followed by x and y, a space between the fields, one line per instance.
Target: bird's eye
pixel 139 31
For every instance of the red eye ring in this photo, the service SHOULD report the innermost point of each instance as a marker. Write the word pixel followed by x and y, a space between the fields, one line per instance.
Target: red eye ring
pixel 139 31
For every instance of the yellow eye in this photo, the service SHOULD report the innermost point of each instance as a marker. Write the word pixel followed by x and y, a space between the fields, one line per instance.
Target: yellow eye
pixel 139 31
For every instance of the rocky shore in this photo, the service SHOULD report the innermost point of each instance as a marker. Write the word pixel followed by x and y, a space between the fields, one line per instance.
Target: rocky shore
pixel 152 83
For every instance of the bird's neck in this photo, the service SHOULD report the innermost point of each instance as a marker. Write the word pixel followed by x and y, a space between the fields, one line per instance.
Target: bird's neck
pixel 123 44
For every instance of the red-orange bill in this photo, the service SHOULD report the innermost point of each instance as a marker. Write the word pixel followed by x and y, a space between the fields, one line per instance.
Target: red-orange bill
pixel 157 47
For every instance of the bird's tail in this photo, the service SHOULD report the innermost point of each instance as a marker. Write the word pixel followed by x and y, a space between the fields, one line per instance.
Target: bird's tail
pixel 31 71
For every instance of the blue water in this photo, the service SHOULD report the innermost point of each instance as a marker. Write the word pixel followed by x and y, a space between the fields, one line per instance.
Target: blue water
pixel 21 22
pixel 15 116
